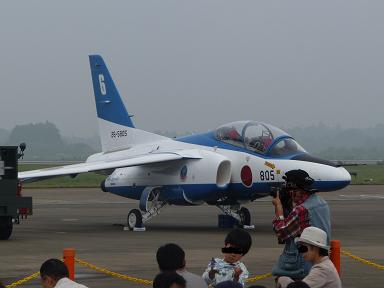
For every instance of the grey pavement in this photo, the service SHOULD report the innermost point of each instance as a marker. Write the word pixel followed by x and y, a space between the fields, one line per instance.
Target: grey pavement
pixel 92 222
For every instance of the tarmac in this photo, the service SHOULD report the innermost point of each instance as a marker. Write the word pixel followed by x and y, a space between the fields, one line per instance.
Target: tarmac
pixel 92 222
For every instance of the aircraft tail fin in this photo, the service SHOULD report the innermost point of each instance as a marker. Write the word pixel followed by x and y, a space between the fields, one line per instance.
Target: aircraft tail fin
pixel 117 130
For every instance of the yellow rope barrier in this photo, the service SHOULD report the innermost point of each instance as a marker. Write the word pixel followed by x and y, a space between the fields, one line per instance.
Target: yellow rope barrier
pixel 362 260
pixel 148 282
pixel 112 274
pixel 24 280
pixel 258 277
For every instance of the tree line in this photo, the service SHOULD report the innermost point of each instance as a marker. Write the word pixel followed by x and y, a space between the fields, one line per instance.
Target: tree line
pixel 45 142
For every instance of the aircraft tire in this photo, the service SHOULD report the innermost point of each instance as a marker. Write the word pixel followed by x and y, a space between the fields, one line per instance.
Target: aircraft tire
pixel 245 216
pixel 134 219
pixel 6 227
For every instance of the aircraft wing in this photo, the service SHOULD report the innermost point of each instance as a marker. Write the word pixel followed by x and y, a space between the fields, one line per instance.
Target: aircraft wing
pixel 73 170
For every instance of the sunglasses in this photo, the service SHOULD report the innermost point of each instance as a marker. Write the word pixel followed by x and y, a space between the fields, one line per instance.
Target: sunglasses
pixel 302 249
pixel 232 250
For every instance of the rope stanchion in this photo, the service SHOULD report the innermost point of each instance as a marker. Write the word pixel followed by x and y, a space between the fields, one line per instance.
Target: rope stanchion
pixel 69 260
pixel 24 280
pixel 335 254
pixel 362 260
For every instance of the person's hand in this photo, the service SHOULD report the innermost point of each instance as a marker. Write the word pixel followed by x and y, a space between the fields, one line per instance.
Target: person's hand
pixel 237 273
pixel 276 200
pixel 212 273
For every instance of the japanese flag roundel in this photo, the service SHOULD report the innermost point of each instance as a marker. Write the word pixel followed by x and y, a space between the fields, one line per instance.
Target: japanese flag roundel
pixel 246 176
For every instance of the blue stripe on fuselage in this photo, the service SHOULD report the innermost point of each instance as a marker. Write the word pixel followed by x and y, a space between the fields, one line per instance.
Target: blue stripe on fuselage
pixel 207 192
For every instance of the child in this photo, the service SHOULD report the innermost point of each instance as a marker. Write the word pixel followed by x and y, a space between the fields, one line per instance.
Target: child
pixel 236 245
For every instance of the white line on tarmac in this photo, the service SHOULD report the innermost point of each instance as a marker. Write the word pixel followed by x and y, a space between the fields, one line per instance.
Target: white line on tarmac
pixel 362 197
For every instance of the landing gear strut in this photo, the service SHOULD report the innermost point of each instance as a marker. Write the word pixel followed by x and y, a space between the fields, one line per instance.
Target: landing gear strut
pixel 150 205
pixel 242 214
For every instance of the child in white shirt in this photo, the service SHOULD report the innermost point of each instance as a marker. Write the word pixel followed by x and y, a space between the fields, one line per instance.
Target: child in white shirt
pixel 236 245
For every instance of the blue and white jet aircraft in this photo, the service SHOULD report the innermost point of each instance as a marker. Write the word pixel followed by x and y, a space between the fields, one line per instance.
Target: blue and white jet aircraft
pixel 234 164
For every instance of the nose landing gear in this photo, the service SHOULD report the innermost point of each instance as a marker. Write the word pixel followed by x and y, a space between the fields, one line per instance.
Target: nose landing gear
pixel 241 214
pixel 245 216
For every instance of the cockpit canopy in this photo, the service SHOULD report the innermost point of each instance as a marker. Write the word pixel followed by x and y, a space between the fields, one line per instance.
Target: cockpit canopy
pixel 258 137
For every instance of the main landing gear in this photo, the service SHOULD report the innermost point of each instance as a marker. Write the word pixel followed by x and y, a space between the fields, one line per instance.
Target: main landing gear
pixel 241 214
pixel 6 227
pixel 150 205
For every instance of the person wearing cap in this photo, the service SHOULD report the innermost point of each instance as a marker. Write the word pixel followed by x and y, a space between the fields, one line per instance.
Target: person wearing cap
pixel 308 209
pixel 312 244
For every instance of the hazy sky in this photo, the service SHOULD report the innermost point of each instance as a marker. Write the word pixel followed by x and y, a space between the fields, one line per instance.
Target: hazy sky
pixel 193 65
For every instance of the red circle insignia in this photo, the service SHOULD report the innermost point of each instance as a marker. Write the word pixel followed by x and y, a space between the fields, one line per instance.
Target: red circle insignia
pixel 246 176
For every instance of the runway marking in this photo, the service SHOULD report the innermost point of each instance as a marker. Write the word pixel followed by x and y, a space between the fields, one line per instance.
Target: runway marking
pixel 341 197
pixel 70 220
pixel 361 197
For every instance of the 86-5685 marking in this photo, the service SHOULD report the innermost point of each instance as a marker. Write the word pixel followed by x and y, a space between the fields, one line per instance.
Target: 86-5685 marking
pixel 119 133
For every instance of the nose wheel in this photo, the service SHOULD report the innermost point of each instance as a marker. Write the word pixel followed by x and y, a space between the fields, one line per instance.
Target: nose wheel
pixel 245 216
pixel 242 215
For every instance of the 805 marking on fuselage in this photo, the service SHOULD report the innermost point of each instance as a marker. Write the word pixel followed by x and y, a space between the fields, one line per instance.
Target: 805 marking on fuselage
pixel 267 175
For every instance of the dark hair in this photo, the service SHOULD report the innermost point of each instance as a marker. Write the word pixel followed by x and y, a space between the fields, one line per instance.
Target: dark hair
pixel 170 257
pixel 54 268
pixel 239 238
pixel 229 284
pixel 298 284
pixel 323 252
pixel 166 279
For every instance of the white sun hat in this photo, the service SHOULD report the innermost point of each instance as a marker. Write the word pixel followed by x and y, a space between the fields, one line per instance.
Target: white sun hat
pixel 314 236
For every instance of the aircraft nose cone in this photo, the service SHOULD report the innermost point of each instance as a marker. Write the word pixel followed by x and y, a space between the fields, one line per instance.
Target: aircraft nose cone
pixel 332 179
pixel 343 176
pixel 329 178
pixel 336 178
